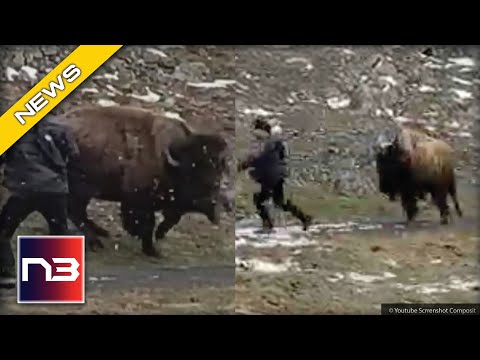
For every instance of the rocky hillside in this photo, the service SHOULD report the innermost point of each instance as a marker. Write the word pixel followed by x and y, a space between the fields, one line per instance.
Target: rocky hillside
pixel 334 101
pixel 195 83
pixel 192 82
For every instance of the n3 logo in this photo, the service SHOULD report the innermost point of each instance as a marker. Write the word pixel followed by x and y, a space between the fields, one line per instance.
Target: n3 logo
pixel 72 269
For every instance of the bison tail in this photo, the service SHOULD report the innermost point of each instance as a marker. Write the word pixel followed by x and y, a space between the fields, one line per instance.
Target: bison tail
pixel 453 193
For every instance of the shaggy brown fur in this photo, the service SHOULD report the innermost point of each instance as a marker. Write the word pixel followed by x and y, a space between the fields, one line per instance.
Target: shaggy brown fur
pixel 425 164
pixel 123 158
pixel 125 142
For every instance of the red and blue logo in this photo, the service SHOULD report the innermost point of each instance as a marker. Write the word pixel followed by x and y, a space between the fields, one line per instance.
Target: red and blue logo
pixel 51 269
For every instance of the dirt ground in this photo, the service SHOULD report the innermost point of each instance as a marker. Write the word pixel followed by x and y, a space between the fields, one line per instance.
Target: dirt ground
pixel 194 275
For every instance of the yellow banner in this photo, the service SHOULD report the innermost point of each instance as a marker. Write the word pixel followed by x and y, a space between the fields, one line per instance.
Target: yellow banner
pixel 51 90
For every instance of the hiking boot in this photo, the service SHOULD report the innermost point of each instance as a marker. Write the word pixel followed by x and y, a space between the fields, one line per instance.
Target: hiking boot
pixel 8 278
pixel 267 225
pixel 307 221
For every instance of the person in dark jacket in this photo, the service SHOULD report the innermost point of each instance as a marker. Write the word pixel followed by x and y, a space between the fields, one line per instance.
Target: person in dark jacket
pixel 269 169
pixel 35 175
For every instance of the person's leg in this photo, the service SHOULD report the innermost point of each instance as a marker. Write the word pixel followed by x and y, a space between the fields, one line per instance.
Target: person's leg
pixel 53 208
pixel 13 213
pixel 259 199
pixel 289 206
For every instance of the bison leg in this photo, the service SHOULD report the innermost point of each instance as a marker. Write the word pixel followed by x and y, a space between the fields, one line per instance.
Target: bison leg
pixel 139 220
pixel 452 190
pixel 170 219
pixel 77 212
pixel 147 218
pixel 409 205
pixel 440 199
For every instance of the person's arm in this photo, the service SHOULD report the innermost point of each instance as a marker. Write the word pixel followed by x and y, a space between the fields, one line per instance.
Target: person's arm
pixel 246 163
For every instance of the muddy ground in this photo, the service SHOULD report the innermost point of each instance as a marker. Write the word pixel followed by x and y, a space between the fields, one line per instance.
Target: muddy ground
pixel 332 103
pixel 196 272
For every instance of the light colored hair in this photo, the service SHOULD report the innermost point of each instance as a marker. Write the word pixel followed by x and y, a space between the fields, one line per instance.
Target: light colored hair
pixel 276 130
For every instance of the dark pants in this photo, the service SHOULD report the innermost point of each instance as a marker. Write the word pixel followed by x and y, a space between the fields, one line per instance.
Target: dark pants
pixel 53 208
pixel 276 192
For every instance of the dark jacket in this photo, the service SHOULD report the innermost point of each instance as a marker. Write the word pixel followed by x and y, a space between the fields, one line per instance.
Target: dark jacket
pixel 270 166
pixel 37 162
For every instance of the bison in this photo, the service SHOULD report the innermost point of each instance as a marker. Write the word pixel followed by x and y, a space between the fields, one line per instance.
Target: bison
pixel 146 161
pixel 414 164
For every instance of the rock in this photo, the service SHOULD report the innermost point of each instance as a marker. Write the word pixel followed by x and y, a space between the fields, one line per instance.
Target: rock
pixel 49 50
pixel 18 60
pixel 168 64
pixel 192 72
pixel 150 58
pixel 169 102
pixel 386 68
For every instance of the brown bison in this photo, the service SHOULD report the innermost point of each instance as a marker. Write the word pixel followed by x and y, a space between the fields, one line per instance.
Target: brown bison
pixel 414 164
pixel 146 161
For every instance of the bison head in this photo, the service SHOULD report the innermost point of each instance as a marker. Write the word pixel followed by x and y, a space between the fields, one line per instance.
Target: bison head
pixel 197 165
pixel 394 170
pixel 390 169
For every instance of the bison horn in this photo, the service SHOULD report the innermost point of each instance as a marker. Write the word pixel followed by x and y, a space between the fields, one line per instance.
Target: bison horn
pixel 170 159
pixel 382 143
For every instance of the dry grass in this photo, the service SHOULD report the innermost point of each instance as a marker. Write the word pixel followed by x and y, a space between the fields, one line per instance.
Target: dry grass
pixel 140 301
pixel 413 258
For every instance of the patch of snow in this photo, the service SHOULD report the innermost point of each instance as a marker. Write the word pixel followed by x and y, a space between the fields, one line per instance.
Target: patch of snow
pixel 391 262
pixel 259 112
pixel 113 90
pixel 433 66
pixel 11 73
pixel 461 81
pixel 172 115
pixel 335 277
pixel 426 89
pixel 402 119
pixel 462 61
pixel 242 86
pixel 30 71
pixel 150 97
pixel 370 278
pixel 370 227
pixel 89 90
pixel 308 64
pixel 108 76
pixel 388 111
pixel 454 125
pixel 212 85
pixel 348 52
pixel 389 80
pixel 280 237
pixel 157 52
pixel 338 102
pixel 106 103
pixel 438 288
pixel 464 134
pixel 462 94
pixel 267 267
